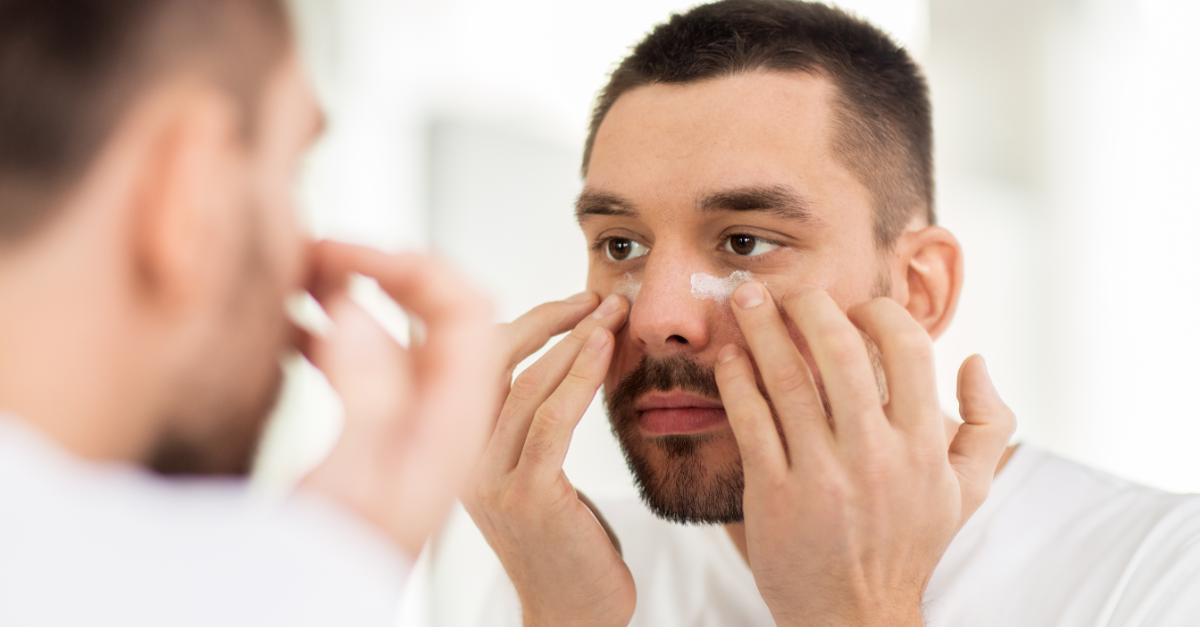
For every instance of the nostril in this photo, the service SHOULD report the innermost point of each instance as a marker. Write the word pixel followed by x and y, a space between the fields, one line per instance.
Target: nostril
pixel 678 338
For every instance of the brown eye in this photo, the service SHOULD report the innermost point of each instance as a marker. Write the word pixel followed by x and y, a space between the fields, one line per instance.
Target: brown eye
pixel 748 245
pixel 620 249
pixel 742 244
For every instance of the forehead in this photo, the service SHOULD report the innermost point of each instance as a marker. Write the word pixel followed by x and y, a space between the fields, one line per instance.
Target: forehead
pixel 762 129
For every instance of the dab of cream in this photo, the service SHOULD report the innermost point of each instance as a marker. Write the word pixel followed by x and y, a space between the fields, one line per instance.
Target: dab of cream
pixel 628 287
pixel 709 287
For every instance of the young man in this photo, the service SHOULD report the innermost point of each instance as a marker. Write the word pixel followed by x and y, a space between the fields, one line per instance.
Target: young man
pixel 148 240
pixel 759 199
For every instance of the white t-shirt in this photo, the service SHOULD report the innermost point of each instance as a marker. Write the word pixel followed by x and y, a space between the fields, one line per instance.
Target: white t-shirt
pixel 1056 544
pixel 90 545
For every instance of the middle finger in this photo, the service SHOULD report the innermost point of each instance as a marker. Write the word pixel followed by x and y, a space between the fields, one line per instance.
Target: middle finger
pixel 532 387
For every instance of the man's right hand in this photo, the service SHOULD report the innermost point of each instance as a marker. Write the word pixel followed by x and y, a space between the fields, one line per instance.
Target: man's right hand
pixel 561 560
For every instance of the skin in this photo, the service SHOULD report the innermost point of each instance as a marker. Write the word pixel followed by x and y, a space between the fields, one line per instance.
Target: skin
pixel 845 527
pixel 181 243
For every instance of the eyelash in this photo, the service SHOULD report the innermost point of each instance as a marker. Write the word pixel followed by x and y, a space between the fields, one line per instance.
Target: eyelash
pixel 726 243
pixel 601 245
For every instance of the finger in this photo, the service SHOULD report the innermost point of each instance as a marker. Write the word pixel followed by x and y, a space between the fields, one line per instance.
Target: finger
pixel 535 385
pixel 841 357
pixel 420 284
pixel 529 333
pixel 749 415
pixel 370 372
pixel 555 421
pixel 988 424
pixel 458 354
pixel 907 355
pixel 784 372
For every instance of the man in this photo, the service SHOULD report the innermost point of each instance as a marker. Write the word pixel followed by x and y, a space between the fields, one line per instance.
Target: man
pixel 148 241
pixel 751 153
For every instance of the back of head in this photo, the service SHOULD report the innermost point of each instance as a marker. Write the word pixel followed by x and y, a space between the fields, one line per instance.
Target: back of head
pixel 70 68
pixel 885 133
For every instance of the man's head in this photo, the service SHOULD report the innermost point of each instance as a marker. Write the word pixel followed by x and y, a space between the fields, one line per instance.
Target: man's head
pixel 779 140
pixel 147 156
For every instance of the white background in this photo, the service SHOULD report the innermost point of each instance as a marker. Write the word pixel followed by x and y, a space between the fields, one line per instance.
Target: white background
pixel 1068 144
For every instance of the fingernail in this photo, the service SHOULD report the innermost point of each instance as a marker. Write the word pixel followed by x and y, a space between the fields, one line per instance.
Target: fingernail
pixel 749 295
pixel 728 354
pixel 581 297
pixel 597 339
pixel 608 307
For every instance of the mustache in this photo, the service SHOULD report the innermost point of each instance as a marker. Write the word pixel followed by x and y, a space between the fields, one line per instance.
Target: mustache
pixel 663 374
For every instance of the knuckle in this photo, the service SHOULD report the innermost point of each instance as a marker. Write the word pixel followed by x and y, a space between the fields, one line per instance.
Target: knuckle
pixel 790 377
pixel 578 378
pixel 526 386
pixel 550 414
pixel 842 349
pixel 580 333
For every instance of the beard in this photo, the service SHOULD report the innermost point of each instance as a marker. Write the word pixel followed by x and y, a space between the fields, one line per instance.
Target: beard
pixel 224 399
pixel 672 475
pixel 227 446
pixel 671 472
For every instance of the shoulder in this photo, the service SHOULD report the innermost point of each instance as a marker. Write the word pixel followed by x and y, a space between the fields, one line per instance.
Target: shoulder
pixel 131 548
pixel 1060 543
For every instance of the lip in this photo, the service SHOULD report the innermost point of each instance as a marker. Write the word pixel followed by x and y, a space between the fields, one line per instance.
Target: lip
pixel 679 413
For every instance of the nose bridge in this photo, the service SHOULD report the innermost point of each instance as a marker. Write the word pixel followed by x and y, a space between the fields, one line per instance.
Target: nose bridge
pixel 665 315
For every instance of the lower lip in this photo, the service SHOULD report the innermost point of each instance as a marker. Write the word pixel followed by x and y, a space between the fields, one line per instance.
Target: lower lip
pixel 681 420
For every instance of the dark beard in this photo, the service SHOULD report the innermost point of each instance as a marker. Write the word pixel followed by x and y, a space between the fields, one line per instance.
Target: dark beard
pixel 229 449
pixel 680 487
pixel 218 419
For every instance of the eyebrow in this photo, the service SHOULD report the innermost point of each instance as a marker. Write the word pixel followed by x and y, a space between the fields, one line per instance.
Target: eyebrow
pixel 593 203
pixel 780 200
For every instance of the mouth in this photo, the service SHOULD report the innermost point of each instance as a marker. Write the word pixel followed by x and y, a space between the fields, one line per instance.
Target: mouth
pixel 679 413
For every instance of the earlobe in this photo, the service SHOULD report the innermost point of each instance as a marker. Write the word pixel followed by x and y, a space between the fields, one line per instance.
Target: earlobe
pixel 931 261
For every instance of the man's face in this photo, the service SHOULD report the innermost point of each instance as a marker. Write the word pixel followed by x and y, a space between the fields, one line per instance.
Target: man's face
pixel 687 185
pixel 231 386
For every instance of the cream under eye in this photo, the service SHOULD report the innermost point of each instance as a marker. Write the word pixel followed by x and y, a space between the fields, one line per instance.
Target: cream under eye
pixel 748 245
pixel 623 249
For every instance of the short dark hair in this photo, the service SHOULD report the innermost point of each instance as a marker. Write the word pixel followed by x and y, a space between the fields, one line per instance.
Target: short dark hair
pixel 69 69
pixel 883 114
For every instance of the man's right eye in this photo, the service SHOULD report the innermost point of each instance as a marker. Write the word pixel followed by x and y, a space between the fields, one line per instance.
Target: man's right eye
pixel 621 249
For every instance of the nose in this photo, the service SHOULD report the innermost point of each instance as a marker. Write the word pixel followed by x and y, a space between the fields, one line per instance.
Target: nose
pixel 666 317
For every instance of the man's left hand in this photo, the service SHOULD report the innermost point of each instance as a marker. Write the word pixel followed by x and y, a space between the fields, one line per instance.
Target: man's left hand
pixel 848 513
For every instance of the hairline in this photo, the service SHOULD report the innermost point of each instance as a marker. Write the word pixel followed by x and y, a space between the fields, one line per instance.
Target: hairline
pixel 843 116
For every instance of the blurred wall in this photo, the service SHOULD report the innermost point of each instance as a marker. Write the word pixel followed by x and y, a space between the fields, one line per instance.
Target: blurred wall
pixel 1066 147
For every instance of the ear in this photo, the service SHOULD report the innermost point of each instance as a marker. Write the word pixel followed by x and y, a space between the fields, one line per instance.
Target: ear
pixel 184 195
pixel 927 276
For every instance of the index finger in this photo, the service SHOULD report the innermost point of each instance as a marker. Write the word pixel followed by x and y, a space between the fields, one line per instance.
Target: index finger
pixel 420 284
pixel 525 335
pixel 458 353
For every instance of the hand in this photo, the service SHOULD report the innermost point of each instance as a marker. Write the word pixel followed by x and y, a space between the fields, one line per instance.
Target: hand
pixel 417 419
pixel 846 521
pixel 557 553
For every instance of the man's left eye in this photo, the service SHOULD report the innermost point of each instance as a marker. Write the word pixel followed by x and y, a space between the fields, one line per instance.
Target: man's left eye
pixel 748 245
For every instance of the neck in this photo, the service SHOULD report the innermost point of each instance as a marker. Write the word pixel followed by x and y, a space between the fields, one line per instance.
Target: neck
pixel 66 367
pixel 737 531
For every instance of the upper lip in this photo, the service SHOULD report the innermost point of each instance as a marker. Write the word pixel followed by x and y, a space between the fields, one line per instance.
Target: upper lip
pixel 675 400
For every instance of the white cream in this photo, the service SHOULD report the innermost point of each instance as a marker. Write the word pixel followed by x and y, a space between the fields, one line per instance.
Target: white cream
pixel 709 287
pixel 628 287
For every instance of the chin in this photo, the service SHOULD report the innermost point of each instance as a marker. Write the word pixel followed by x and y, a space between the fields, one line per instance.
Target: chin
pixel 687 479
pixel 216 438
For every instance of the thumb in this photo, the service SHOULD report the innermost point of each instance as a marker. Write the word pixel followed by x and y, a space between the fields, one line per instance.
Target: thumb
pixel 987 426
